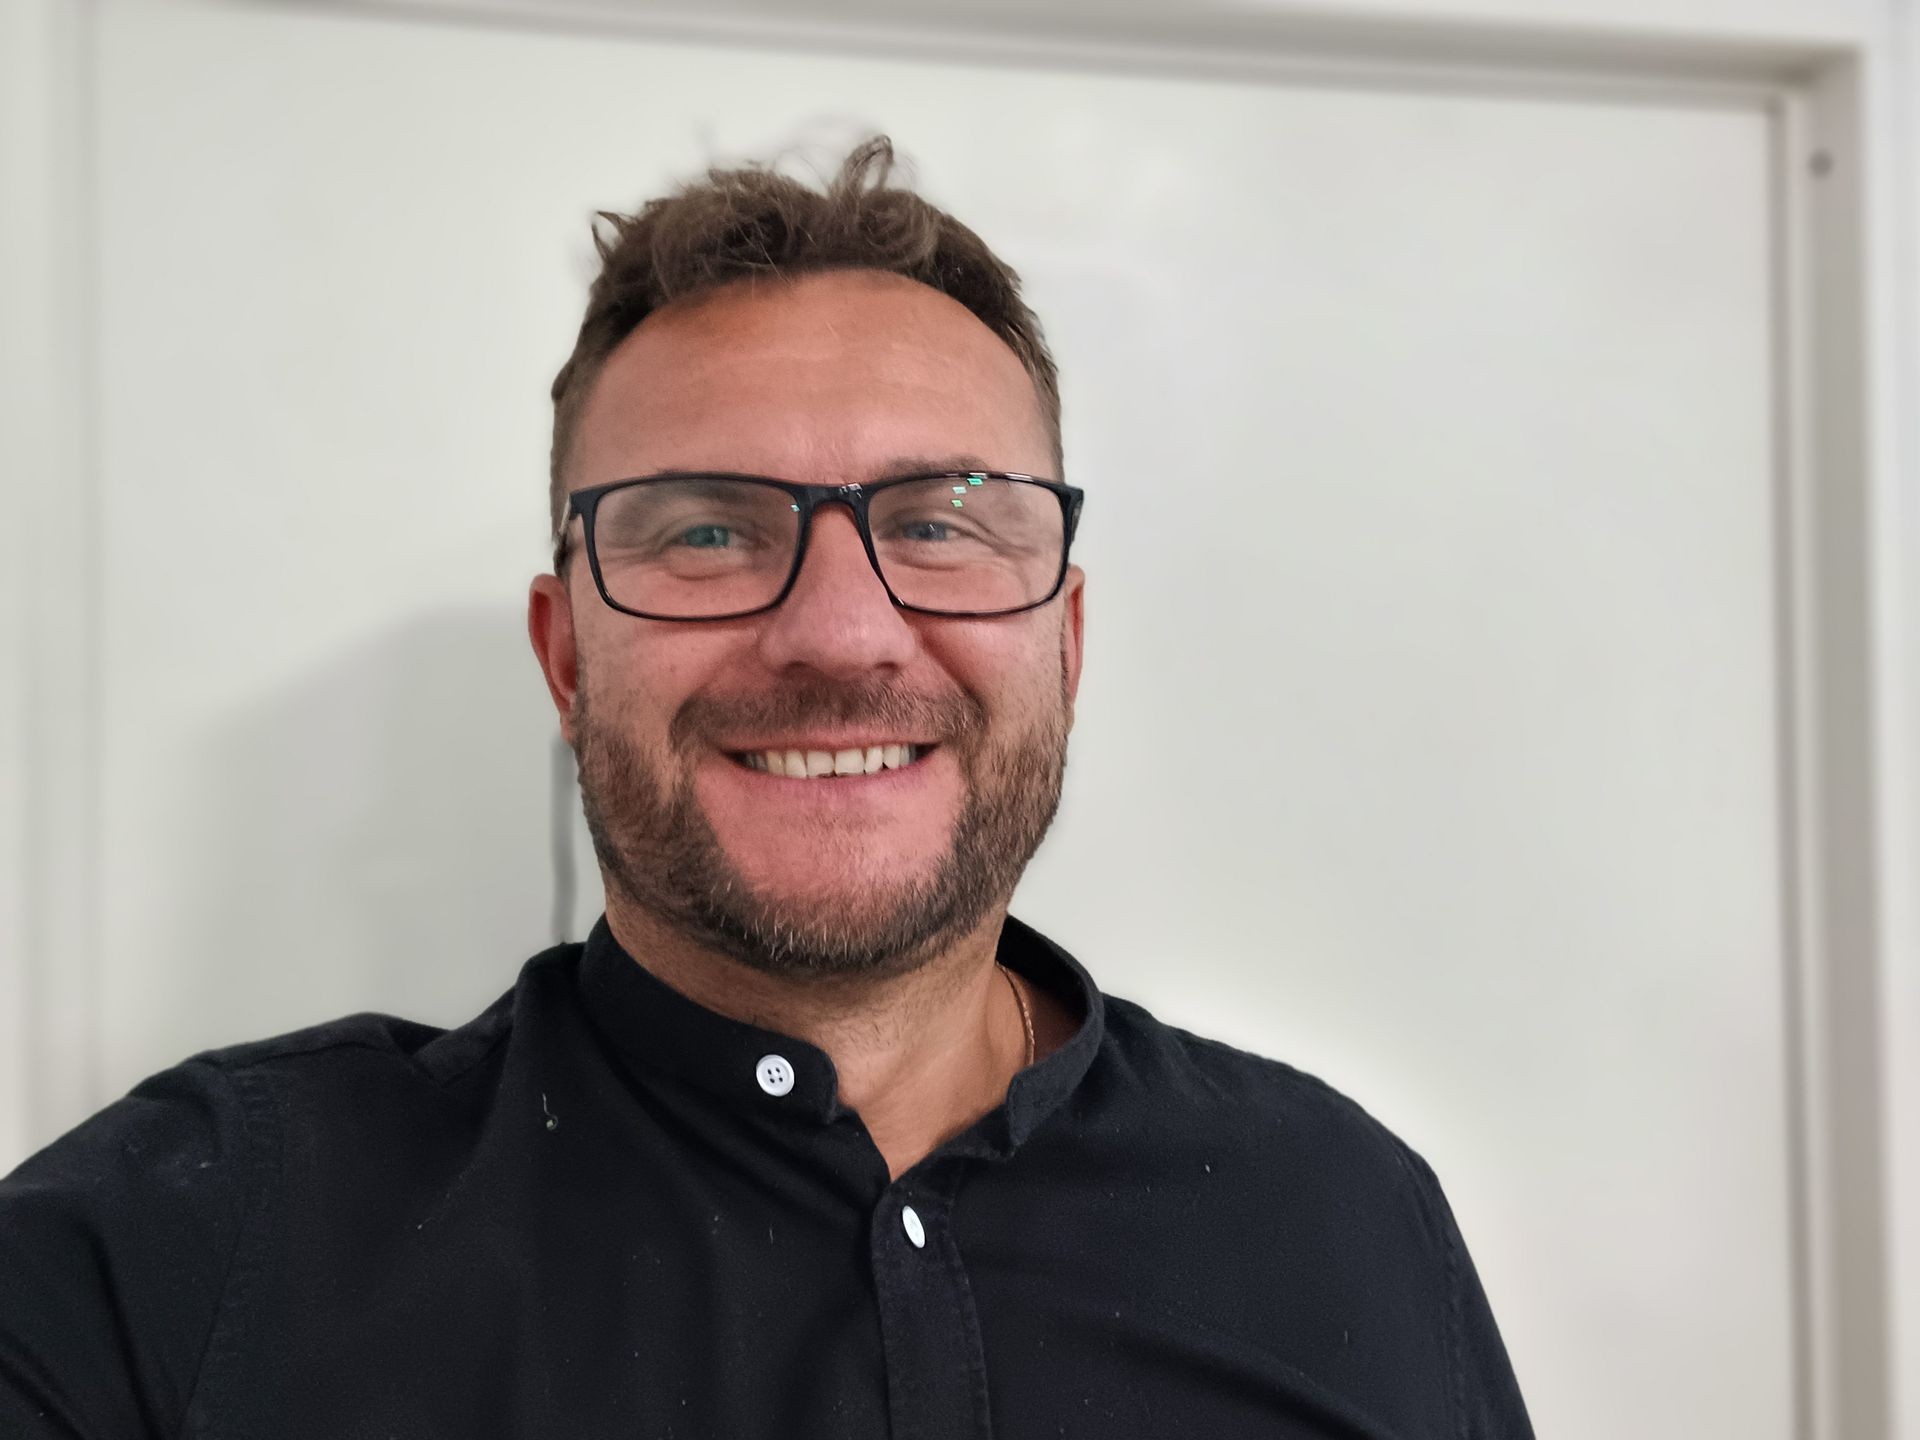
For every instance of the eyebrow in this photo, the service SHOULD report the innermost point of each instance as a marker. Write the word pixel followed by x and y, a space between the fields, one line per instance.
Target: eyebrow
pixel 937 465
pixel 899 465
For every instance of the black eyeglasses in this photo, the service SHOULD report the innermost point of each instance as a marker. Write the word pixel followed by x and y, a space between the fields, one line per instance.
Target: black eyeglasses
pixel 685 546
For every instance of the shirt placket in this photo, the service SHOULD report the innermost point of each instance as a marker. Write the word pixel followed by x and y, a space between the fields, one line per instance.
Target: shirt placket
pixel 936 1368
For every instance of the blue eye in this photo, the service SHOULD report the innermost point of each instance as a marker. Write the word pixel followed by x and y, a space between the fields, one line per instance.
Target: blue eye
pixel 707 537
pixel 925 530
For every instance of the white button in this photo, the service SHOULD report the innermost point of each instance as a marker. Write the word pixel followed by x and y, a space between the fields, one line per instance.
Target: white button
pixel 774 1074
pixel 916 1232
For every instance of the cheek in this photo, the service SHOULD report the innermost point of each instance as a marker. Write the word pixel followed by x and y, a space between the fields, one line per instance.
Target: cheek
pixel 1015 673
pixel 641 680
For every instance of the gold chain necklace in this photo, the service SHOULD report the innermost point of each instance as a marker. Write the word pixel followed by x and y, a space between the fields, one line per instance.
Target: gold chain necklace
pixel 1026 1016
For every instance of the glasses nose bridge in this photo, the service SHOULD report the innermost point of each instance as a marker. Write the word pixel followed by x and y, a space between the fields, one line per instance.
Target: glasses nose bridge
pixel 854 497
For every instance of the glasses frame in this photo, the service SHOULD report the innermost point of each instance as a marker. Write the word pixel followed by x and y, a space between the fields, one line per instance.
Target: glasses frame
pixel 809 499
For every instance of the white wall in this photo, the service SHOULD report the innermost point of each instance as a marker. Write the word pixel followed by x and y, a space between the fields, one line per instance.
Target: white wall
pixel 1498 706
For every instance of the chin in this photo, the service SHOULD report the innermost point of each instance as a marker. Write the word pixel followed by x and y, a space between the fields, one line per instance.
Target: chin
pixel 848 871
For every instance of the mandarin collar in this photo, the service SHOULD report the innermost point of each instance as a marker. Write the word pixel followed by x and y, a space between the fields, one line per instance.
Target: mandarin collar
pixel 654 1029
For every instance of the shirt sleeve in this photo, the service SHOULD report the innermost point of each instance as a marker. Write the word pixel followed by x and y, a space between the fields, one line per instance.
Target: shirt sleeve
pixel 1486 1399
pixel 115 1247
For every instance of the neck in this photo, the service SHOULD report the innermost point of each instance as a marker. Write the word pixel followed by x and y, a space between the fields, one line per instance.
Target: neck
pixel 920 1056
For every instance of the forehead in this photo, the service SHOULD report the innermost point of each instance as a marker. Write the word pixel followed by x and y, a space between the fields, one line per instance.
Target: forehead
pixel 825 378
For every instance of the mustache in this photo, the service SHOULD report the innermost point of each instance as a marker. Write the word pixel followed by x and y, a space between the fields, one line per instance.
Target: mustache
pixel 955 717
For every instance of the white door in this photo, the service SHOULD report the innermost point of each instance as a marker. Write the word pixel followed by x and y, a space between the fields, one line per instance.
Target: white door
pixel 1428 736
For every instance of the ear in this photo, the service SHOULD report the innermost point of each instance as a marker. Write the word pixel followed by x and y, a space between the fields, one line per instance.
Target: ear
pixel 1072 626
pixel 550 627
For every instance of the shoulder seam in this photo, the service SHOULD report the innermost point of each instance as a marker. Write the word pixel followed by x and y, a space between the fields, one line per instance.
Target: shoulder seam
pixel 237 1065
pixel 1426 1188
pixel 475 1061
pixel 1287 1071
pixel 260 1134
pixel 1457 1390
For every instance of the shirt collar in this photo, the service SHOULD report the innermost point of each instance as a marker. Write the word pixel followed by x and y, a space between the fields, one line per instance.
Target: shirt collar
pixel 655 1029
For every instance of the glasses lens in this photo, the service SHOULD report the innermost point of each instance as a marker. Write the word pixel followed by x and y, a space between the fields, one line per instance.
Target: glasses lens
pixel 693 548
pixel 968 543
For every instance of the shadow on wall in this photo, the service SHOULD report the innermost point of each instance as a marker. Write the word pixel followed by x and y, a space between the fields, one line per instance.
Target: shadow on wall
pixel 378 837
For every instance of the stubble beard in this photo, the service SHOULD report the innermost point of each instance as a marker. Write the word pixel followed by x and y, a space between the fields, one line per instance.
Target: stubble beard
pixel 659 852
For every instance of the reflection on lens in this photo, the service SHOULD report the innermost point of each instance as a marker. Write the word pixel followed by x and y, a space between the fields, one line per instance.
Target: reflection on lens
pixel 967 543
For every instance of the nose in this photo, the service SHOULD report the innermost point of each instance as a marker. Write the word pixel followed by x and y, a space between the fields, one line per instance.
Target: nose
pixel 837 619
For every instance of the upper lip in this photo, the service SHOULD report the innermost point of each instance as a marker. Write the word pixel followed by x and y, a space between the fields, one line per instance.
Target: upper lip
pixel 819 742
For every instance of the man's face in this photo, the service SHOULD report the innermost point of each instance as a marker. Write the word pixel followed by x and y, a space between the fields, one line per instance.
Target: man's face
pixel 835 378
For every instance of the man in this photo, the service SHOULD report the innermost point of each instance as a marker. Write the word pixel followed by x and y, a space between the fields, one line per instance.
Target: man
pixel 809 1138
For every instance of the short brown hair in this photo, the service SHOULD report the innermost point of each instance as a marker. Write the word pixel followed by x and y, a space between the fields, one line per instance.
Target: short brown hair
pixel 753 223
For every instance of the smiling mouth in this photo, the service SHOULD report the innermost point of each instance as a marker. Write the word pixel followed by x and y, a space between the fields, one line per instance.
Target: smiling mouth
pixel 827 764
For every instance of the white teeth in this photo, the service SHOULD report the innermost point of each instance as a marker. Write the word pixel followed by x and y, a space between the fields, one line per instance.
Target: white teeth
pixel 808 764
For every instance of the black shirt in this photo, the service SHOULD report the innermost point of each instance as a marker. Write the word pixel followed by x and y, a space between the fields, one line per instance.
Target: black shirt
pixel 600 1209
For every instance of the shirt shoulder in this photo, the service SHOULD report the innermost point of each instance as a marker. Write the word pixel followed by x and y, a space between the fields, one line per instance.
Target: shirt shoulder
pixel 1187 1069
pixel 155 1209
pixel 1284 1126
pixel 118 1241
pixel 1364 1213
